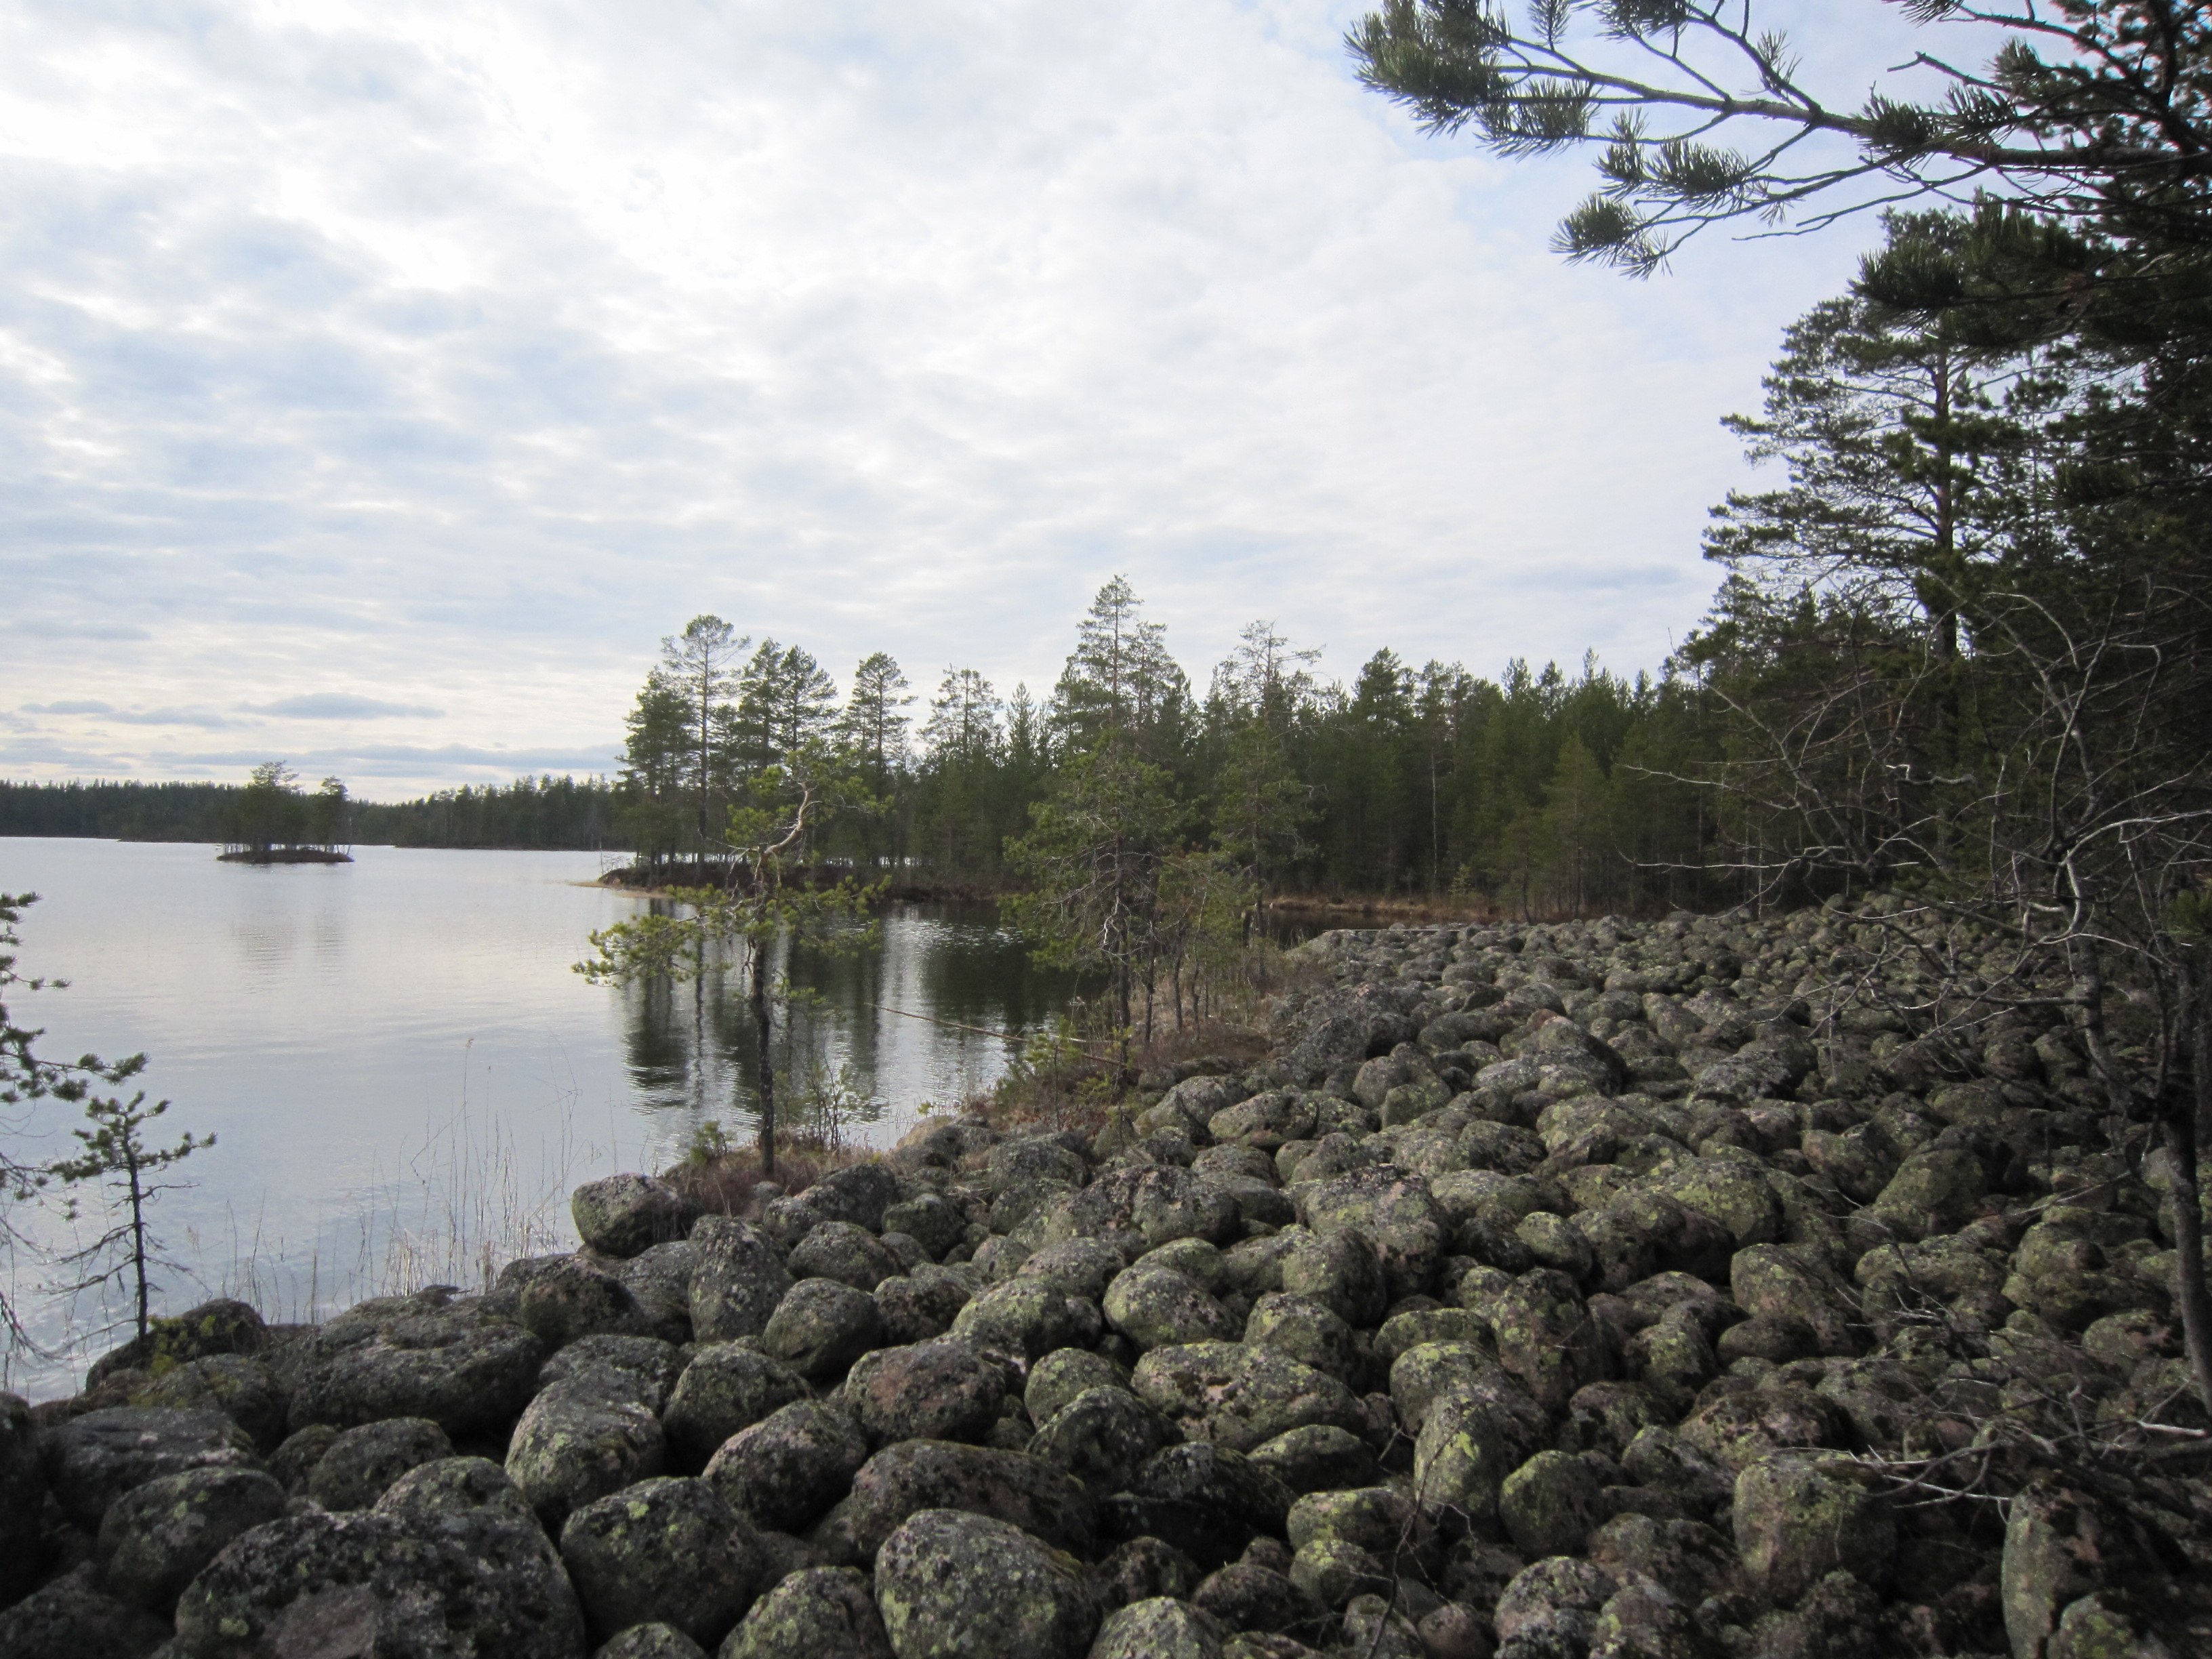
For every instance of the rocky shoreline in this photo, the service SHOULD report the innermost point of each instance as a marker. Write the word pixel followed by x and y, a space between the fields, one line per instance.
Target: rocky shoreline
pixel 1599 1290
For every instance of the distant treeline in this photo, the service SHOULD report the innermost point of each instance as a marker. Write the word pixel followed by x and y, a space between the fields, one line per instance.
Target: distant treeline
pixel 545 812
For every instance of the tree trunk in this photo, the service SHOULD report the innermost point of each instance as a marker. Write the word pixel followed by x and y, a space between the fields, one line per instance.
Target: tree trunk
pixel 137 1236
pixel 763 1037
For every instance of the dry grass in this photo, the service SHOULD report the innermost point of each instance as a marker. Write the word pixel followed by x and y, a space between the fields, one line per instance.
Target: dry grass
pixel 723 1184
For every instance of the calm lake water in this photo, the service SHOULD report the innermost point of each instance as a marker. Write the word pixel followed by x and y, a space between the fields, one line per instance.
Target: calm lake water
pixel 405 1079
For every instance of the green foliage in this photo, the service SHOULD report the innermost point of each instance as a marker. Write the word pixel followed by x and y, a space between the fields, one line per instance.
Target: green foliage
pixel 116 1155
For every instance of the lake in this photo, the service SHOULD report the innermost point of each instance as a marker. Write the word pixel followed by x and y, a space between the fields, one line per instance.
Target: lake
pixel 405 1076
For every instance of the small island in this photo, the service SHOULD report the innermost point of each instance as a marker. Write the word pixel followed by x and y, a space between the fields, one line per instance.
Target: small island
pixel 276 822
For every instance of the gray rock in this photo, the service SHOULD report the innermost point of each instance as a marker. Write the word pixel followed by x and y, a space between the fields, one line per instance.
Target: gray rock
pixel 222 1326
pixel 73 1618
pixel 1138 1570
pixel 1798 1519
pixel 1060 1375
pixel 739 1279
pixel 954 1585
pixel 455 1361
pixel 1306 1328
pixel 1028 1318
pixel 453 1484
pixel 1237 1396
pixel 409 1586
pixel 573 1297
pixel 295 1460
pixel 931 1219
pixel 645 1366
pixel 1101 1436
pixel 362 1462
pixel 1207 1502
pixel 815 1613
pixel 1159 1628
pixel 659 1279
pixel 845 1252
pixel 1156 1306
pixel 22 1493
pixel 913 1475
pixel 1076 1267
pixel 1337 1268
pixel 625 1215
pixel 937 1390
pixel 91 1461
pixel 821 1326
pixel 155 1538
pixel 921 1302
pixel 784 1470
pixel 1550 1504
pixel 652 1642
pixel 726 1388
pixel 668 1550
pixel 1034 1161
pixel 1319 1457
pixel 582 1438
pixel 242 1387
pixel 859 1193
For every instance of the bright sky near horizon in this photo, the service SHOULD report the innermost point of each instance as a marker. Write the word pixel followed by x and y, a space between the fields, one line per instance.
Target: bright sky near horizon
pixel 381 380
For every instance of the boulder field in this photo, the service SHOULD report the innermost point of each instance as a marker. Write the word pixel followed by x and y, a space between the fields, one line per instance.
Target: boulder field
pixel 1596 1291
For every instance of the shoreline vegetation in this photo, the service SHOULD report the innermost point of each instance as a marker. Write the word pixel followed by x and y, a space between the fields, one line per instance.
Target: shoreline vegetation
pixel 284 855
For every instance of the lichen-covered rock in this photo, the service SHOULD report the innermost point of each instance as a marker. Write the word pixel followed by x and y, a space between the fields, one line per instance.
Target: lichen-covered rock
pixel 1333 1572
pixel 1207 1501
pixel 1393 1210
pixel 784 1470
pixel 913 1475
pixel 91 1461
pixel 1028 1318
pixel 1374 1627
pixel 1784 1281
pixel 1550 1504
pixel 1545 1336
pixel 726 1388
pixel 1266 1121
pixel 1318 1457
pixel 668 1550
pixel 73 1618
pixel 579 1439
pixel 813 1613
pixel 929 1218
pixel 1554 1601
pixel 1738 1429
pixel 1933 1191
pixel 645 1366
pixel 739 1281
pixel 1798 1519
pixel 1159 1628
pixel 941 1390
pixel 651 1642
pixel 954 1585
pixel 1237 1396
pixel 1155 1306
pixel 1306 1329
pixel 455 1484
pixel 411 1586
pixel 921 1302
pixel 454 1360
pixel 155 1538
pixel 1076 1267
pixel 658 1278
pixel 859 1193
pixel 221 1327
pixel 572 1298
pixel 845 1252
pixel 1059 1378
pixel 820 1328
pixel 1101 1437
pixel 1336 1267
pixel 242 1387
pixel 1731 1190
pixel 625 1215
pixel 1245 1595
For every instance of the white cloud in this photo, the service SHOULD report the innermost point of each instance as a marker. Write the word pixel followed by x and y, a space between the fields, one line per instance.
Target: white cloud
pixel 461 352
pixel 342 706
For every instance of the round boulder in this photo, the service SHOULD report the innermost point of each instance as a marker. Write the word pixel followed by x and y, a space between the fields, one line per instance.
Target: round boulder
pixel 667 1550
pixel 786 1469
pixel 625 1215
pixel 726 1388
pixel 91 1461
pixel 952 1585
pixel 155 1538
pixel 821 1326
pixel 362 1462
pixel 1798 1519
pixel 814 1613
pixel 937 1390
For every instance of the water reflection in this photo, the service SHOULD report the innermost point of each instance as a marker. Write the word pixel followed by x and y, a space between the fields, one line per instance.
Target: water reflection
pixel 928 1015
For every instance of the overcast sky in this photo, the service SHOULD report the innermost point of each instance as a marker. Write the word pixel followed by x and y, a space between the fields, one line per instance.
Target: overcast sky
pixel 379 382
